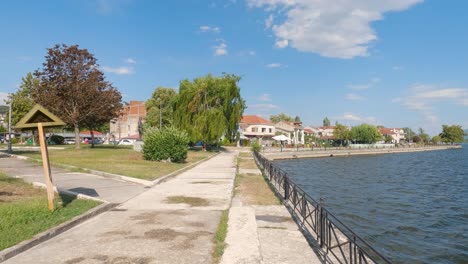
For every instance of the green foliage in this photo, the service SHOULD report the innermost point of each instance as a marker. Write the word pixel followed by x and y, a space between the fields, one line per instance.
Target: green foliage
pixel 452 134
pixel 169 143
pixel 326 121
pixel 255 147
pixel 342 133
pixel 423 136
pixel 163 98
pixel 409 133
pixel 436 139
pixel 365 134
pixel 220 236
pixel 14 140
pixel 56 140
pixel 281 117
pixel 209 107
pixel 388 139
pixel 21 100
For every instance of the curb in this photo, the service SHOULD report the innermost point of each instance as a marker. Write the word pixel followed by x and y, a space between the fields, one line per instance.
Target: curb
pixel 48 234
pixel 75 194
pixel 177 172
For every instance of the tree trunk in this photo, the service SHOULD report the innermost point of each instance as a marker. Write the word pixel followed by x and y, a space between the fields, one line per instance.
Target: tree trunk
pixel 92 137
pixel 77 137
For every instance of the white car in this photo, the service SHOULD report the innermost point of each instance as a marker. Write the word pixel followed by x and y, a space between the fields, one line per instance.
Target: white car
pixel 126 142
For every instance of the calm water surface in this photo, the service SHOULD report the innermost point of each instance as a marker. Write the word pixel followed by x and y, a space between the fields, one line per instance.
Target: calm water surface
pixel 411 207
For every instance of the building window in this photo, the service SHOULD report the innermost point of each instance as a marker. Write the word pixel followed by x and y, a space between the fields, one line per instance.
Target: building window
pixel 269 130
pixel 254 129
pixel 263 130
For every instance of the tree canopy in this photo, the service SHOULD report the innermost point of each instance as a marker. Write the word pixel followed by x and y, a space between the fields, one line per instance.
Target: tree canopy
pixel 342 133
pixel 72 87
pixel 452 134
pixel 365 134
pixel 326 121
pixel 21 100
pixel 164 98
pixel 209 107
pixel 281 117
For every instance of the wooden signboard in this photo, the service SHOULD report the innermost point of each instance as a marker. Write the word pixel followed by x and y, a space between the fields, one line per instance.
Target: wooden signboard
pixel 39 118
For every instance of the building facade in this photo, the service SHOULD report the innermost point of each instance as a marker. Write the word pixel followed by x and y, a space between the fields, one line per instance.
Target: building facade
pixel 293 130
pixel 131 116
pixel 255 127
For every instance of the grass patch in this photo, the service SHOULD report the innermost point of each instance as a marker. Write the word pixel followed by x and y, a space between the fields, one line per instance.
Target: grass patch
pixel 24 212
pixel 192 201
pixel 253 189
pixel 220 236
pixel 245 154
pixel 116 159
pixel 247 164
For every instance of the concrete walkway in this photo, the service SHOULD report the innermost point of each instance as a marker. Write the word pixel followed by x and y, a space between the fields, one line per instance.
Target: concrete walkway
pixel 111 190
pixel 173 222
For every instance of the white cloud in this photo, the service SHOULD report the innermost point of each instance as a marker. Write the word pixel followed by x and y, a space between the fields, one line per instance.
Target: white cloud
pixel 365 86
pixel 422 98
pixel 354 97
pixel 397 68
pixel 269 21
pixel 131 61
pixel 251 53
pixel 220 49
pixel 119 70
pixel 3 97
pixel 105 7
pixel 331 28
pixel 264 97
pixel 348 116
pixel 263 107
pixel 273 65
pixel 212 29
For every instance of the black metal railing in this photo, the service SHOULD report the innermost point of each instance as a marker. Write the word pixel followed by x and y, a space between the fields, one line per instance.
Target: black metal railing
pixel 338 243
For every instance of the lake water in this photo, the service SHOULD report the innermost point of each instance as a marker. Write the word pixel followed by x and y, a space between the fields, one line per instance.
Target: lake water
pixel 411 207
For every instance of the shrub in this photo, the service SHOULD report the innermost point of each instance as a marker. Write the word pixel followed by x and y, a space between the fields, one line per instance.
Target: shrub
pixel 255 147
pixel 169 143
pixel 56 140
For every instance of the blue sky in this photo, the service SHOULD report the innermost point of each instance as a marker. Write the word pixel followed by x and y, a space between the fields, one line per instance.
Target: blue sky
pixel 391 62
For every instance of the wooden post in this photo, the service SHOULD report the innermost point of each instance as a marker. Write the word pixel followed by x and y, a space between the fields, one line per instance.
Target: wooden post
pixel 46 166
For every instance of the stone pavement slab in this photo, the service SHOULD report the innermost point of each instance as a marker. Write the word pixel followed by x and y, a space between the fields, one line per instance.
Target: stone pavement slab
pixel 111 190
pixel 148 229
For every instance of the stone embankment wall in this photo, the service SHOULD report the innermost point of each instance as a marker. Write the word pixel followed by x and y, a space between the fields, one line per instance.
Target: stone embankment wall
pixel 276 154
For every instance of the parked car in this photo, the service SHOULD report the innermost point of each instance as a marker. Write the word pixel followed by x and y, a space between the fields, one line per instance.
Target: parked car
pixel 126 142
pixel 69 141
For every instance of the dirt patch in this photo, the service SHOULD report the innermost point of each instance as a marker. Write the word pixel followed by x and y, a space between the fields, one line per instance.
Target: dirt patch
pixel 75 260
pixel 101 257
pixel 253 189
pixel 192 201
pixel 196 224
pixel 150 218
pixel 274 218
pixel 273 227
pixel 169 235
pixel 207 182
pixel 116 233
pixel 13 189
pixel 247 164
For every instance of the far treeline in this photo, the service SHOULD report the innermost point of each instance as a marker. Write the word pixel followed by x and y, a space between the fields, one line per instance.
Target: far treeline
pixel 71 85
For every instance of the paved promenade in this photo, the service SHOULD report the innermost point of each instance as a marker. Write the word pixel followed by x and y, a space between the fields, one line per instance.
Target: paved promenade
pixel 111 190
pixel 173 222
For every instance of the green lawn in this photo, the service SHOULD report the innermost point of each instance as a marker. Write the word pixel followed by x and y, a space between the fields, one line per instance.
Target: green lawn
pixel 118 160
pixel 24 213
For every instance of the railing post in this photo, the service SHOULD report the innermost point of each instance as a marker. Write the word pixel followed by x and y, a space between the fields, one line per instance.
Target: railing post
pixel 286 188
pixel 321 224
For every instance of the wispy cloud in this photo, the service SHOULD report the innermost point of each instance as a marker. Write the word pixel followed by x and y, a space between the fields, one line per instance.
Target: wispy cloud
pixel 106 7
pixel 221 48
pixel 354 97
pixel 212 29
pixel 397 68
pixel 269 21
pixel 423 98
pixel 274 65
pixel 331 28
pixel 264 97
pixel 348 116
pixel 3 97
pixel 131 61
pixel 118 70
pixel 365 86
pixel 263 107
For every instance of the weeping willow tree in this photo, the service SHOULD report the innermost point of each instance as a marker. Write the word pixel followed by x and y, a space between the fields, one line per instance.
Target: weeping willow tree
pixel 209 107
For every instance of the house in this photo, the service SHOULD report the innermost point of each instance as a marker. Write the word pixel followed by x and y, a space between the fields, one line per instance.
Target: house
pixel 326 132
pixel 255 127
pixel 131 116
pixel 397 134
pixel 293 130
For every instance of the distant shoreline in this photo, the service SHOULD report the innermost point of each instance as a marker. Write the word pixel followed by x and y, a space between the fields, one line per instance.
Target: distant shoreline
pixel 321 153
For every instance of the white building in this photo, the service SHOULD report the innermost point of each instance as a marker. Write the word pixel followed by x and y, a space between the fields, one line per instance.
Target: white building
pixel 255 127
pixel 397 134
pixel 293 130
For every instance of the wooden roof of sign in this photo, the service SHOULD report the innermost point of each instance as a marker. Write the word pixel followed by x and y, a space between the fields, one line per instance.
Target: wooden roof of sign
pixel 38 114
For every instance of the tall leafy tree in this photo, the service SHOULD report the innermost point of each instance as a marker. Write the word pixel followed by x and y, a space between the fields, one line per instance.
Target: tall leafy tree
pixel 326 121
pixel 452 134
pixel 423 136
pixel 72 87
pixel 281 117
pixel 365 134
pixel 163 98
pixel 209 107
pixel 409 133
pixel 297 119
pixel 21 100
pixel 342 133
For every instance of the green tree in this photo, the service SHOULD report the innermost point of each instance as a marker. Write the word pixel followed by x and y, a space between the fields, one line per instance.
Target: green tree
pixel 409 133
pixel 436 139
pixel 452 134
pixel 423 136
pixel 21 100
pixel 72 87
pixel 342 133
pixel 388 139
pixel 163 98
pixel 297 119
pixel 209 107
pixel 365 134
pixel 326 121
pixel 280 117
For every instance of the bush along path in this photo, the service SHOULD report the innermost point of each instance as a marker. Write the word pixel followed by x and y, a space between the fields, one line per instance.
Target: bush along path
pixel 175 222
pixel 260 229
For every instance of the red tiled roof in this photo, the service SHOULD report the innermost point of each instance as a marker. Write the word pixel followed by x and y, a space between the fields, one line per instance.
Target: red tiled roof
pixel 87 132
pixel 327 127
pixel 253 119
pixel 386 131
pixel 310 131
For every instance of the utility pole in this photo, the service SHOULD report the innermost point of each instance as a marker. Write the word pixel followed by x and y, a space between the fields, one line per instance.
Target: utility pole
pixel 9 128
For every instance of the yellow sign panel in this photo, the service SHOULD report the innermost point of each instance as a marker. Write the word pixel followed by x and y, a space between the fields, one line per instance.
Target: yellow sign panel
pixel 39 114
